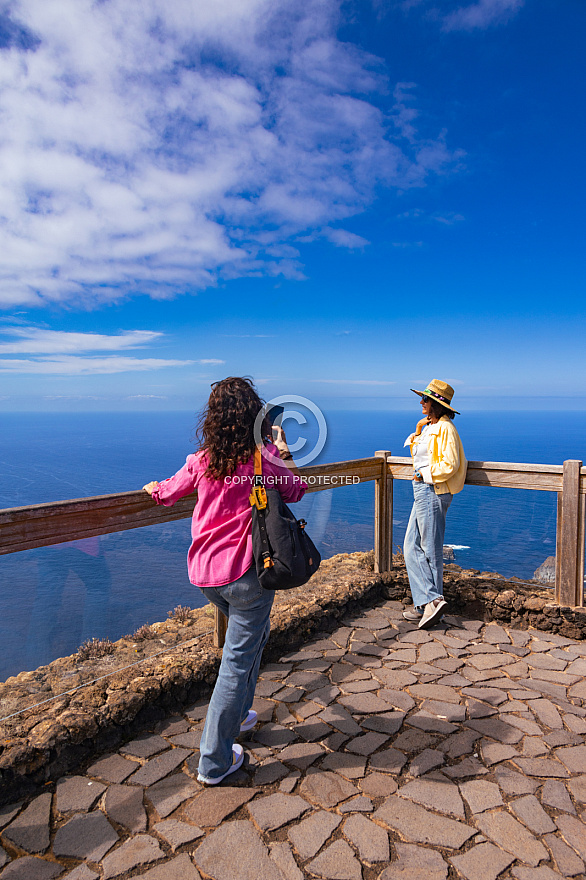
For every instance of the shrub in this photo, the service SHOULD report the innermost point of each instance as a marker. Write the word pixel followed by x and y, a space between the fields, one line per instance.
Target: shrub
pixel 144 632
pixel 93 649
pixel 182 613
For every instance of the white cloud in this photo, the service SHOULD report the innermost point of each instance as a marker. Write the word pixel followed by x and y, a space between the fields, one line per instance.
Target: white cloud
pixel 339 237
pixel 447 218
pixel 36 340
pixel 71 397
pixel 481 15
pixel 60 352
pixel 147 147
pixel 344 238
pixel 71 365
pixel 430 156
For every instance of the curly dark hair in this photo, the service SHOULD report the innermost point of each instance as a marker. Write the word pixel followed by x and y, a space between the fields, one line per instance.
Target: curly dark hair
pixel 225 429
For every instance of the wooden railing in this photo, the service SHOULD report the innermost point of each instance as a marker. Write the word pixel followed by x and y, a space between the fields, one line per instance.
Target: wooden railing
pixel 39 525
pixel 568 480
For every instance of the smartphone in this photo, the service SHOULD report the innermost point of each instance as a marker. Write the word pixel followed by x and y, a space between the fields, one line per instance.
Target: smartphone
pixel 274 416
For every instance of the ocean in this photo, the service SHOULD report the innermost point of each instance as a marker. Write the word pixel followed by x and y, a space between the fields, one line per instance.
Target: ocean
pixel 53 599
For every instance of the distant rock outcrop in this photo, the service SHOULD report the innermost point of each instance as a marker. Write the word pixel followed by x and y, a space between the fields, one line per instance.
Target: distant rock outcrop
pixel 449 555
pixel 546 571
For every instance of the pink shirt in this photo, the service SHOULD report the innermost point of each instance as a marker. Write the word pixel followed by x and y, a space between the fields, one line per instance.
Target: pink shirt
pixel 221 545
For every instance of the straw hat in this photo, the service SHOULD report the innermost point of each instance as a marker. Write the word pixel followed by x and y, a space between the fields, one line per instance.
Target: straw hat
pixel 440 391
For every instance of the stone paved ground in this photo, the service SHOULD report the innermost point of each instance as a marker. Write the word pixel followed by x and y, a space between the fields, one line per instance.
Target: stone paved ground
pixel 381 752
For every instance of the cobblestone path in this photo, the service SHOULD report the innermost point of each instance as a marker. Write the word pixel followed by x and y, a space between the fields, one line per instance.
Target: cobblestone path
pixel 381 751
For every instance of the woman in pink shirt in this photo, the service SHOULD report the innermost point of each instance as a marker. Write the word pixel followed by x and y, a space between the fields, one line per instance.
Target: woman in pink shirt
pixel 220 558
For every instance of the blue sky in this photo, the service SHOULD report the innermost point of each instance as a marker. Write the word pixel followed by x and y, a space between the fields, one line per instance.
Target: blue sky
pixel 342 200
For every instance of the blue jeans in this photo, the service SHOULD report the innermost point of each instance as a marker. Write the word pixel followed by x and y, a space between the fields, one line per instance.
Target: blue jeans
pixel 247 606
pixel 423 547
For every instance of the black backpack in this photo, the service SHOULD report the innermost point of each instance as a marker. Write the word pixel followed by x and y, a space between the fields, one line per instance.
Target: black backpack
pixel 284 554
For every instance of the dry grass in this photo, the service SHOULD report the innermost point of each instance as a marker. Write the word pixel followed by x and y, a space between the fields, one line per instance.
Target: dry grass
pixel 144 632
pixel 182 613
pixel 93 649
pixel 367 560
pixel 399 557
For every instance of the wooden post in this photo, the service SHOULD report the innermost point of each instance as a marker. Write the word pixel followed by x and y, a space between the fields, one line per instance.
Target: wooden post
pixel 220 624
pixel 381 516
pixel 389 517
pixel 570 549
pixel 558 549
pixel 581 536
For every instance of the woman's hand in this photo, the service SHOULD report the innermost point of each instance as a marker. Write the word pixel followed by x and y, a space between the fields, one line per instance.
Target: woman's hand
pixel 280 441
pixel 150 487
pixel 421 424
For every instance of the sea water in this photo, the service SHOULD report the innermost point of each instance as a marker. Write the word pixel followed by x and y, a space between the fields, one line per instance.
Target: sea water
pixel 54 598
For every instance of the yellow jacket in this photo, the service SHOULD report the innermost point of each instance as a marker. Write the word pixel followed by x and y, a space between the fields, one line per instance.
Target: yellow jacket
pixel 447 462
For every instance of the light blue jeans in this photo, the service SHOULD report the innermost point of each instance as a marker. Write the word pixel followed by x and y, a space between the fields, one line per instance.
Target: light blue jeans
pixel 423 547
pixel 247 606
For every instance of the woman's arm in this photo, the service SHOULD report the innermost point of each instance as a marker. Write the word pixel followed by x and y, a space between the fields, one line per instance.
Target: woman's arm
pixel 286 475
pixel 182 483
pixel 420 426
pixel 446 461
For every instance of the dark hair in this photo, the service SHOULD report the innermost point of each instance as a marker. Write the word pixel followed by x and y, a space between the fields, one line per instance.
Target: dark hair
pixel 438 410
pixel 225 429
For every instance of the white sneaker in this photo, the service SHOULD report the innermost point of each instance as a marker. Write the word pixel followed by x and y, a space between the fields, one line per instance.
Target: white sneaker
pixel 412 613
pixel 433 612
pixel 237 759
pixel 249 722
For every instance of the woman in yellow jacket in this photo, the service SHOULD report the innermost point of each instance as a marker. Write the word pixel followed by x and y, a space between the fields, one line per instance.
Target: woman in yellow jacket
pixel 439 467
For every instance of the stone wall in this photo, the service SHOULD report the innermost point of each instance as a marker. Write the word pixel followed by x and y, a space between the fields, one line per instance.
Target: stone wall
pixel 520 605
pixel 65 713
